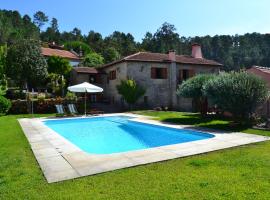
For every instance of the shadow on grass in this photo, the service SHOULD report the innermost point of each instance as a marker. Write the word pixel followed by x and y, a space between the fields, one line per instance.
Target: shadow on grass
pixel 189 119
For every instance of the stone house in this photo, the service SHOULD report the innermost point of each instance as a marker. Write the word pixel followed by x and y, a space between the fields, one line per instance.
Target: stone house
pixel 159 74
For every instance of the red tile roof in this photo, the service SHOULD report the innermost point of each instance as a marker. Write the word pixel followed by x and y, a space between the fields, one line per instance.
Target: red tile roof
pixel 86 70
pixel 58 52
pixel 159 57
pixel 263 72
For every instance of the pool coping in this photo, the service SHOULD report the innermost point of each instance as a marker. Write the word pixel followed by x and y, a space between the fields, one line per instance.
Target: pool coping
pixel 61 160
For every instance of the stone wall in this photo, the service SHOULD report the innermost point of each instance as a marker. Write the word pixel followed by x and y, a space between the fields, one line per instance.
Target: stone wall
pixel 159 92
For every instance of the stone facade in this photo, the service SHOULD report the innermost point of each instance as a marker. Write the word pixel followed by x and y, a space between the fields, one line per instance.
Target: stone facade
pixel 159 74
pixel 159 92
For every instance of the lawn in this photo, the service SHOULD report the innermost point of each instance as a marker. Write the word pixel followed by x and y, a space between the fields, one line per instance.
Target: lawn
pixel 238 173
pixel 196 120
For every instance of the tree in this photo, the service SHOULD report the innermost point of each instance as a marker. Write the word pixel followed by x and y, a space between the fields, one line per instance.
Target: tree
pixel 25 63
pixel 193 88
pixel 58 65
pixel 79 47
pixel 14 27
pixel 95 41
pixel 123 43
pixel 166 38
pixel 52 33
pixel 56 83
pixel 92 60
pixel 239 93
pixel 40 19
pixel 3 80
pixel 110 54
pixel 130 91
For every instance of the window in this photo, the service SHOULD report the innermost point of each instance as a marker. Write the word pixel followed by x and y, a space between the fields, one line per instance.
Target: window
pixel 112 75
pixel 145 100
pixel 92 79
pixel 158 73
pixel 185 74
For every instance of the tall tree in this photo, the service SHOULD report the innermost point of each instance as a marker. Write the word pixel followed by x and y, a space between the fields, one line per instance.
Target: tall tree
pixel 95 41
pixel 52 33
pixel 110 54
pixel 26 65
pixel 40 19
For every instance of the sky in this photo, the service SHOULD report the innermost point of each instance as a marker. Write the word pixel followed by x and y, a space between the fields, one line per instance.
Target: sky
pixel 191 18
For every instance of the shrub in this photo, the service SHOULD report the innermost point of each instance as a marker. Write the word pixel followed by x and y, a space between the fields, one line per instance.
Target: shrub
pixel 193 88
pixel 19 107
pixel 237 92
pixel 71 96
pixel 5 105
pixel 130 91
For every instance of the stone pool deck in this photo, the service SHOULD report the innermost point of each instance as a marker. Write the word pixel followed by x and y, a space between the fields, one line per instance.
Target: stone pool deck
pixel 61 160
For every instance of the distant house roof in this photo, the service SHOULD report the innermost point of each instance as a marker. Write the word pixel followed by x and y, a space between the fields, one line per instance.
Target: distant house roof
pixel 86 70
pixel 58 52
pixel 263 72
pixel 159 57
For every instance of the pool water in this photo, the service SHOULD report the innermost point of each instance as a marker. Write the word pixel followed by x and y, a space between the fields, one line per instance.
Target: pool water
pixel 105 135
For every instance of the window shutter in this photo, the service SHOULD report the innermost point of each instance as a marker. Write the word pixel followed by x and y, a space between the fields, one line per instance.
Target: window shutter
pixel 164 73
pixel 98 78
pixel 191 73
pixel 180 75
pixel 153 72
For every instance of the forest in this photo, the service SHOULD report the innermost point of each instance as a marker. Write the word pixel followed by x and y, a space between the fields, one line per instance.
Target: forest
pixel 234 51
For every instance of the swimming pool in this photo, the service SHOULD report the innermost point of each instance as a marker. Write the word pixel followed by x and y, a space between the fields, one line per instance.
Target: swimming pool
pixel 115 134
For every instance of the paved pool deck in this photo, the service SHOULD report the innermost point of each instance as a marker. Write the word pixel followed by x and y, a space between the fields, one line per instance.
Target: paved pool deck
pixel 61 160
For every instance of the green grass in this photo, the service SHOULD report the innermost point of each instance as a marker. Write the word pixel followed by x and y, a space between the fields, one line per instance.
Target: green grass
pixel 196 120
pixel 238 173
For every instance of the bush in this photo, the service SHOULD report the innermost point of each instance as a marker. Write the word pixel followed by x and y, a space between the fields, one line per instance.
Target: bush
pixel 19 107
pixel 239 93
pixel 130 91
pixel 193 88
pixel 5 105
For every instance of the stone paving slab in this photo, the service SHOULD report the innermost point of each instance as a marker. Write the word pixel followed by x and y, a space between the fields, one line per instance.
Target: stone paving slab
pixel 61 160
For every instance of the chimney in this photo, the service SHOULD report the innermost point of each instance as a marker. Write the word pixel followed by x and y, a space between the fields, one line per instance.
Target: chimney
pixel 196 51
pixel 172 56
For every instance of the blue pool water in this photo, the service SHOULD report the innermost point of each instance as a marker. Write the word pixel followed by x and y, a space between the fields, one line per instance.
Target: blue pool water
pixel 105 135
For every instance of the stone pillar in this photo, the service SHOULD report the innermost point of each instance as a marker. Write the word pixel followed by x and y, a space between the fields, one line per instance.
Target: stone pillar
pixel 172 78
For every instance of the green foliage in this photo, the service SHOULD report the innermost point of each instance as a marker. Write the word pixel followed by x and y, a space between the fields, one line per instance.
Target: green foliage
pixel 93 60
pixel 56 83
pixel 130 91
pixel 123 43
pixel 71 96
pixel 14 27
pixel 111 54
pixel 5 105
pixel 3 81
pixel 58 65
pixel 237 92
pixel 193 87
pixel 52 33
pixel 40 19
pixel 25 63
pixel 78 47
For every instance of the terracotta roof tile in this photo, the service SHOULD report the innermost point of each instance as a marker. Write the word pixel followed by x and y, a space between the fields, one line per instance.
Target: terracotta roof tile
pixel 58 52
pixel 159 57
pixel 263 72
